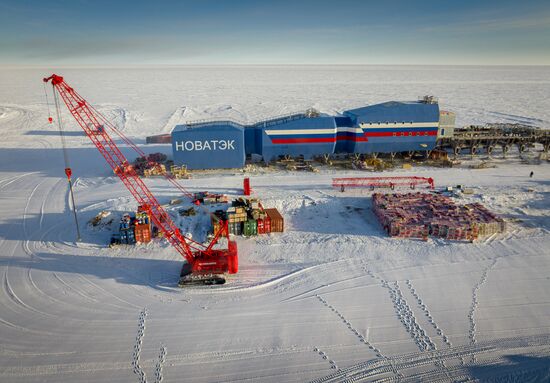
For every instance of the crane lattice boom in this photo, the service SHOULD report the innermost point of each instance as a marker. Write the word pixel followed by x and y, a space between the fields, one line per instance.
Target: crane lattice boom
pixel 202 259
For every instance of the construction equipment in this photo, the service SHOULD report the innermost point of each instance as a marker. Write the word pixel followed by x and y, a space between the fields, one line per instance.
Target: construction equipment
pixel 377 182
pixel 205 264
pixel 179 171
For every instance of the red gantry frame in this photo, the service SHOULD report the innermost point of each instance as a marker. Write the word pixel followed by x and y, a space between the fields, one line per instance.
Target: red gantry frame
pixel 380 182
pixel 203 259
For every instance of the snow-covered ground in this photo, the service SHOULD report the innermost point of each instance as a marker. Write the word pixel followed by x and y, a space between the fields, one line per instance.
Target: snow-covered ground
pixel 332 299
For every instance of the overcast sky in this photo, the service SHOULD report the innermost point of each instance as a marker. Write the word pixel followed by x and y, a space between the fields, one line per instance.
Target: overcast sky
pixel 88 32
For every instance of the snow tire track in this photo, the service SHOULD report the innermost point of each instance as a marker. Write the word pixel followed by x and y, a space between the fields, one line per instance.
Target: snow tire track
pixel 325 357
pixel 377 370
pixel 475 303
pixel 426 312
pixel 407 318
pixel 424 309
pixel 361 338
pixel 138 370
pixel 405 314
pixel 137 347
pixel 350 326
pixel 160 364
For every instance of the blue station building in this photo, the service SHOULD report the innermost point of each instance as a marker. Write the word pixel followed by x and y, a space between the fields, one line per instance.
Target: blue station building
pixel 390 127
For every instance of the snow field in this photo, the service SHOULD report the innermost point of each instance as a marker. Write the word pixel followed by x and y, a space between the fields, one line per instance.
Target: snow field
pixel 332 299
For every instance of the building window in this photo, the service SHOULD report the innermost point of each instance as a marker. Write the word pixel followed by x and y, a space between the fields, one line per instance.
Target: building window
pixel 442 132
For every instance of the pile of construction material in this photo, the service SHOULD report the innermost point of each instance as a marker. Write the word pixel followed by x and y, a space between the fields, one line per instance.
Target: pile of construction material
pixel 150 165
pixel 420 215
pixel 132 230
pixel 207 198
pixel 100 219
pixel 248 217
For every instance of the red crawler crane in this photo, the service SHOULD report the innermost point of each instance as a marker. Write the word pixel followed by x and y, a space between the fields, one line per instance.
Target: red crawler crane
pixel 204 263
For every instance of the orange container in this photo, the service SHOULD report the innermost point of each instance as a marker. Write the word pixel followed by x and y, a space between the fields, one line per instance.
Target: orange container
pixel 143 233
pixel 276 220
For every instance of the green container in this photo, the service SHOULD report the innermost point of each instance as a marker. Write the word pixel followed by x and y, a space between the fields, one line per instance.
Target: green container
pixel 250 228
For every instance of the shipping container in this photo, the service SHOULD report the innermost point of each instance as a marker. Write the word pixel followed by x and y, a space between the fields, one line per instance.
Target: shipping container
pixel 127 236
pixel 276 220
pixel 235 228
pixel 142 233
pixel 267 224
pixel 260 226
pixel 250 228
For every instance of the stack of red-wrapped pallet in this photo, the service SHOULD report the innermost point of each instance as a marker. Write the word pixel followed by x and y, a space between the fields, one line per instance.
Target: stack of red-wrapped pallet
pixel 420 215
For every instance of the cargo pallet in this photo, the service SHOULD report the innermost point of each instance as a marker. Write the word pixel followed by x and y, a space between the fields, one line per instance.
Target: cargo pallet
pixel 422 215
pixel 381 182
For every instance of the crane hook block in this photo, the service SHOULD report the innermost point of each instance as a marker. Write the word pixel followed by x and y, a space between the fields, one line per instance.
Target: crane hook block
pixel 50 120
pixel 69 173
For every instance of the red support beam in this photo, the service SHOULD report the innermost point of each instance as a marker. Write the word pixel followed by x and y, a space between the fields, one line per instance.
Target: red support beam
pixel 380 182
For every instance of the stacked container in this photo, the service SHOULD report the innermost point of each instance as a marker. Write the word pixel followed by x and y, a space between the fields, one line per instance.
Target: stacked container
pixel 247 217
pixel 142 226
pixel 236 216
pixel 126 230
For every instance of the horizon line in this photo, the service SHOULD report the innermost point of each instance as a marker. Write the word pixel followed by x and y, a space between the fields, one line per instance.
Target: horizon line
pixel 114 66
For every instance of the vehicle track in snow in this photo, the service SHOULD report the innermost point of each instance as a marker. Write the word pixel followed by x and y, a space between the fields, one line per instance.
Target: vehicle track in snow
pixel 350 327
pixel 407 318
pixel 362 339
pixel 422 306
pixel 160 364
pixel 404 313
pixel 138 370
pixel 136 356
pixel 32 248
pixel 475 303
pixel 323 355
pixel 379 369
